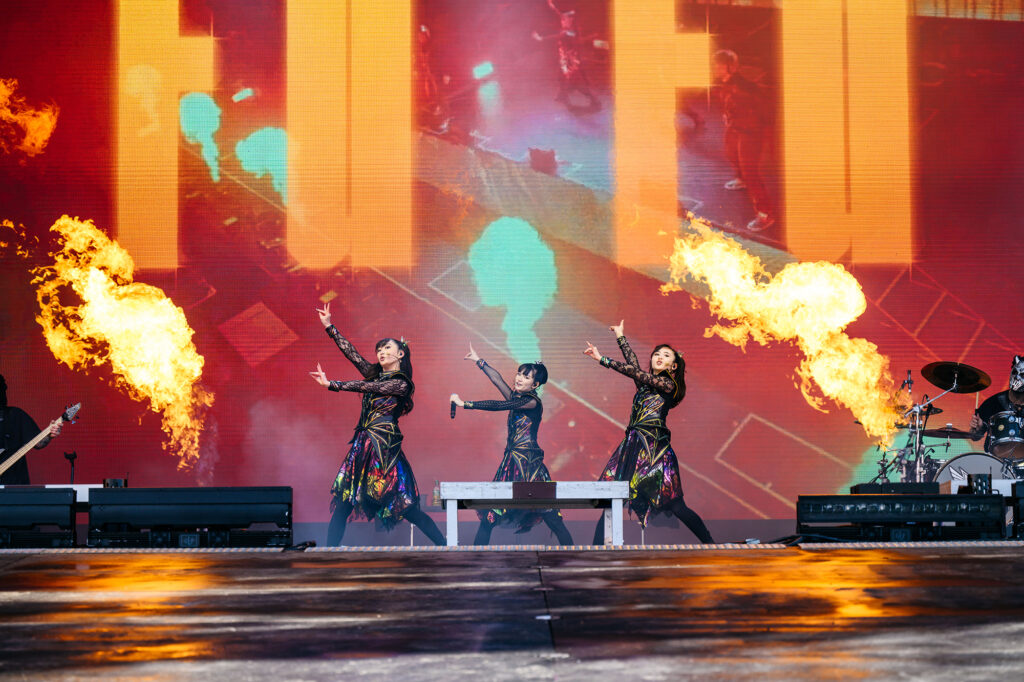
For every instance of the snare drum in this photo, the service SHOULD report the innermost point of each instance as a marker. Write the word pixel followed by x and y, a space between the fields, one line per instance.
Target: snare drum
pixel 1006 434
pixel 957 468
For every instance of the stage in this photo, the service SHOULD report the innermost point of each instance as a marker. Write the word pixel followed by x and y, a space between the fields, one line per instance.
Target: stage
pixel 812 205
pixel 883 611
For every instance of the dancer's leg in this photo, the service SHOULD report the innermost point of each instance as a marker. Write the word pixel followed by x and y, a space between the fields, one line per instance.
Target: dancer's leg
pixel 336 529
pixel 599 531
pixel 557 525
pixel 419 518
pixel 483 533
pixel 691 520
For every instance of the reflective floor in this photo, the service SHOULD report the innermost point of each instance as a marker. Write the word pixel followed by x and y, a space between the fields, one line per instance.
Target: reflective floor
pixel 942 611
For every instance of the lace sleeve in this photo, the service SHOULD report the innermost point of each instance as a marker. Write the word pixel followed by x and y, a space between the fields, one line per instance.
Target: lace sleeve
pixel 495 378
pixel 659 382
pixel 385 387
pixel 627 352
pixel 519 402
pixel 346 347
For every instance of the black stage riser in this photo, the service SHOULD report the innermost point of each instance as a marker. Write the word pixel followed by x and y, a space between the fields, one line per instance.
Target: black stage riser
pixel 149 517
pixel 36 538
pixel 190 538
pixel 190 517
pixel 899 533
pixel 26 508
pixel 187 508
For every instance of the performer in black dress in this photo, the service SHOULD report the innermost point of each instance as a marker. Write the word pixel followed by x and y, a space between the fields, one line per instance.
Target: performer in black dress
pixel 523 459
pixel 645 456
pixel 570 57
pixel 375 479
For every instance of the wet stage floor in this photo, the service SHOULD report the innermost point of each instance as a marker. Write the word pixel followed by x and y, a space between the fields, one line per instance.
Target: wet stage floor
pixel 950 611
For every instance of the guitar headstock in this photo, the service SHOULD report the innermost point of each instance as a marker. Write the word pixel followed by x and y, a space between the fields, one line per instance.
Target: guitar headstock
pixel 69 413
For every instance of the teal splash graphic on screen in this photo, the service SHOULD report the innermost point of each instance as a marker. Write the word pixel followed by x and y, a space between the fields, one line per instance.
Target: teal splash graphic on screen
pixel 266 152
pixel 200 119
pixel 513 268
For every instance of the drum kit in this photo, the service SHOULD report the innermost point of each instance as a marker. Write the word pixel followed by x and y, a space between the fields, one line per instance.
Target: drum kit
pixel 914 462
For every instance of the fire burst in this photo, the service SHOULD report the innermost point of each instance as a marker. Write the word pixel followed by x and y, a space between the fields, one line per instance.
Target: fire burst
pixel 809 304
pixel 135 327
pixel 35 125
pixel 17 245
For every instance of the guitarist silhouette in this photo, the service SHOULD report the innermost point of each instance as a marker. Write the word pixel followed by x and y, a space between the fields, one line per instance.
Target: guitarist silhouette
pixel 17 429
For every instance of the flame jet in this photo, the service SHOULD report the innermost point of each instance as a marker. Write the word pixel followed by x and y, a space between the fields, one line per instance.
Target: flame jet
pixel 134 327
pixel 23 127
pixel 14 241
pixel 809 304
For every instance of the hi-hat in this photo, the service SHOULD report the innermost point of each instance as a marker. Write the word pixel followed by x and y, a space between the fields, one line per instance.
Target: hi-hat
pixel 967 379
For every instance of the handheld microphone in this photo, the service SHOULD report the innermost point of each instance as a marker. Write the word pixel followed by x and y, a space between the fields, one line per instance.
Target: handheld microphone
pixel 453 409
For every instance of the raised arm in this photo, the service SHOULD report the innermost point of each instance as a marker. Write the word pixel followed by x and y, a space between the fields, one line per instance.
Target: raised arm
pixel 346 347
pixel 496 379
pixel 516 402
pixel 660 382
pixel 627 351
pixel 386 387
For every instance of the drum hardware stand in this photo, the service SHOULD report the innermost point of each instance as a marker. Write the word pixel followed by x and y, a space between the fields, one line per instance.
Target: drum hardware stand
pixel 923 466
pixel 884 465
pixel 913 460
pixel 1012 468
pixel 951 377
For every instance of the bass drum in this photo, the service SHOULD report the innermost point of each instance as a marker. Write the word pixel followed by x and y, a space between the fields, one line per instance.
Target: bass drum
pixel 957 468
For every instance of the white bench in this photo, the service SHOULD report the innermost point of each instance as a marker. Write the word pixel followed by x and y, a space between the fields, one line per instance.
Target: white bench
pixel 607 495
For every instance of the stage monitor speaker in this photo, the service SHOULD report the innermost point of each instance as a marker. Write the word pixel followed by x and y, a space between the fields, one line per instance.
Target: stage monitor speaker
pixel 929 488
pixel 902 517
pixel 191 517
pixel 37 517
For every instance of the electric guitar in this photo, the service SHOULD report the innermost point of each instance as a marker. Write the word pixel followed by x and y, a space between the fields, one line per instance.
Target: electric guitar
pixel 69 415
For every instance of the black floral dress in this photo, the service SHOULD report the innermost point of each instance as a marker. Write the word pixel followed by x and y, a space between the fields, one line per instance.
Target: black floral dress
pixel 645 456
pixel 523 460
pixel 375 475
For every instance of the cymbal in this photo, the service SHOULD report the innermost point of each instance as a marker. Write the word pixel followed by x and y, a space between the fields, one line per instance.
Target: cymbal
pixel 930 410
pixel 945 433
pixel 968 379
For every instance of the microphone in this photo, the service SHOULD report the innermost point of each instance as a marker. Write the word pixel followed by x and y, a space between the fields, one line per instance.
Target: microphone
pixel 453 409
pixel 909 381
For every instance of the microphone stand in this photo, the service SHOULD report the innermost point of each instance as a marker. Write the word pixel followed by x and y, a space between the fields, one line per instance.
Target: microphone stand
pixel 70 457
pixel 918 419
